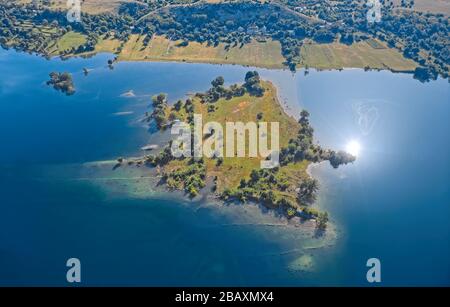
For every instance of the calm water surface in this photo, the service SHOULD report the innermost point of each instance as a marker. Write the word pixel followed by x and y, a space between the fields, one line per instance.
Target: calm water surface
pixel 393 203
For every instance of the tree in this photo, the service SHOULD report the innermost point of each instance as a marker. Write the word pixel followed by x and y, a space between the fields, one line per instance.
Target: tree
pixel 322 220
pixel 219 81
pixel 62 82
pixel 254 175
pixel 159 104
pixel 159 99
pixel 242 183
pixel 178 105
pixel 307 191
pixel 253 84
pixel 340 157
pixel 268 196
pixel 304 117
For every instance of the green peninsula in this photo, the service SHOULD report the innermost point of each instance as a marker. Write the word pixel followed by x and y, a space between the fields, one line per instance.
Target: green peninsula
pixel 286 188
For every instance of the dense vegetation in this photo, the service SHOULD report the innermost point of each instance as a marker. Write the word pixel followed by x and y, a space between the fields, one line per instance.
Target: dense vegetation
pixel 252 86
pixel 422 37
pixel 303 148
pixel 62 82
pixel 159 104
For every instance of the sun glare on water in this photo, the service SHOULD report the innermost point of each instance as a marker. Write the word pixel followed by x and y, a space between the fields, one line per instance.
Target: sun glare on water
pixel 353 148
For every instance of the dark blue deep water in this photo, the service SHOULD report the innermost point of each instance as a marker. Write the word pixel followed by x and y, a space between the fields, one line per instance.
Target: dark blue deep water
pixel 393 203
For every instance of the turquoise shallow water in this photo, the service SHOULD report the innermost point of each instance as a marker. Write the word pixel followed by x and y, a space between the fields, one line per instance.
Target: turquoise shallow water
pixel 392 204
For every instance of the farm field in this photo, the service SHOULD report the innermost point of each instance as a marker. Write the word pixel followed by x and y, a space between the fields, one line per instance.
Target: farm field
pixel 70 40
pixel 261 54
pixel 358 55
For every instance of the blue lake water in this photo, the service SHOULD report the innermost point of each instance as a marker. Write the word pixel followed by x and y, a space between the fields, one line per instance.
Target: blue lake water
pixel 393 203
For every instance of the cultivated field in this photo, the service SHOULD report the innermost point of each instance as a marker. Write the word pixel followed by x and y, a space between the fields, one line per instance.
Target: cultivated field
pixel 370 54
pixel 70 40
pixel 432 6
pixel 262 54
pixel 107 45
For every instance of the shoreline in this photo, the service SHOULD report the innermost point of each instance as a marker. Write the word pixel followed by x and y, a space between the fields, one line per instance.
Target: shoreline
pixel 218 62
pixel 269 67
pixel 130 182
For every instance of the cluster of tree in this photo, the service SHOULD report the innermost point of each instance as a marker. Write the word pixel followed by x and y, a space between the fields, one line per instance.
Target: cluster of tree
pixel 425 74
pixel 159 103
pixel 62 82
pixel 164 157
pixel 267 187
pixel 190 178
pixel 188 108
pixel 424 37
pixel 303 148
pixel 307 191
pixel 322 220
pixel 233 24
pixel 18 30
pixel 252 86
pixel 217 91
pixel 339 158
pixel 420 36
pixel 321 217
pixel 35 27
pixel 263 186
pixel 310 212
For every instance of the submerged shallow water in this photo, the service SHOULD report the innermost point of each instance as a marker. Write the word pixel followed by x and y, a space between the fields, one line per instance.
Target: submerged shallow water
pixel 392 203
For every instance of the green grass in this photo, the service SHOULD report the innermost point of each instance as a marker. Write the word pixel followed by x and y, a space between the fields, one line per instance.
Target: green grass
pixel 243 109
pixel 375 44
pixel 261 54
pixel 372 54
pixel 70 40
